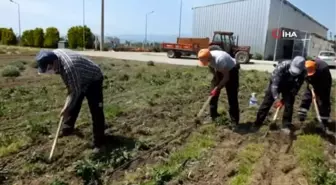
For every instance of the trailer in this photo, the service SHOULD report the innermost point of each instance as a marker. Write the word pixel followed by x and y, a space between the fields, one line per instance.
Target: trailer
pixel 221 41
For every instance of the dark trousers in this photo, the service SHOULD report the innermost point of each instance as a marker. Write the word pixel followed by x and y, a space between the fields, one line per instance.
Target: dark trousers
pixel 94 95
pixel 322 99
pixel 232 93
pixel 288 98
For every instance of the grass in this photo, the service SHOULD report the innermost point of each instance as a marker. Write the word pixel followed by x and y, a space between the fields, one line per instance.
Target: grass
pixel 144 105
pixel 247 158
pixel 310 151
pixel 198 143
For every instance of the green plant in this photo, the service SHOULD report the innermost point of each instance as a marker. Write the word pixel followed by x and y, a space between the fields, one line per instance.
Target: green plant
pixel 88 171
pixel 19 64
pixel 309 58
pixel 58 182
pixel 258 56
pixel 33 64
pixel 10 71
pixel 36 129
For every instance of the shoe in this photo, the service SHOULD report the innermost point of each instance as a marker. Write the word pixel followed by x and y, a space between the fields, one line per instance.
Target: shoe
pixel 256 126
pixel 98 150
pixel 66 132
pixel 209 120
pixel 288 129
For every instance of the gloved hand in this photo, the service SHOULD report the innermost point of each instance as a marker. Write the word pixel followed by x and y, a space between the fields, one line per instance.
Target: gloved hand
pixel 214 92
pixel 278 103
pixel 302 113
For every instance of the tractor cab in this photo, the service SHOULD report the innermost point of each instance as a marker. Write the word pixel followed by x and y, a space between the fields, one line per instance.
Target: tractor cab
pixel 224 40
pixel 227 42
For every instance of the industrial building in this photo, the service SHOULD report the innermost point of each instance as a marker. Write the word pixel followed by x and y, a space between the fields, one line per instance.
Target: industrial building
pixel 253 21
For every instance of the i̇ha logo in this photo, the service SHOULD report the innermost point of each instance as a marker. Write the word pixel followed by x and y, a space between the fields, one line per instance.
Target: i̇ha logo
pixel 283 34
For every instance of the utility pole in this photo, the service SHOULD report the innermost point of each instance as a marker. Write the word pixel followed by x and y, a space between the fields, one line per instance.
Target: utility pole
pixel 276 40
pixel 102 27
pixel 180 19
pixel 145 42
pixel 84 25
pixel 18 18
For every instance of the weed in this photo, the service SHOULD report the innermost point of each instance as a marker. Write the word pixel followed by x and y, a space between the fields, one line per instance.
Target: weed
pixel 247 158
pixel 195 146
pixel 58 182
pixel 150 63
pixel 33 64
pixel 124 77
pixel 89 171
pixel 19 64
pixel 112 111
pixel 309 149
pixel 10 144
pixel 113 159
pixel 36 129
pixel 10 71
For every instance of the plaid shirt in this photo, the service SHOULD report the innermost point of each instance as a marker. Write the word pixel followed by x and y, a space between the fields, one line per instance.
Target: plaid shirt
pixel 282 77
pixel 77 72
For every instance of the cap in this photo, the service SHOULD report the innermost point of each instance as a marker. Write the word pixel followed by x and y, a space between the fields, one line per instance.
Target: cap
pixel 43 58
pixel 311 67
pixel 203 56
pixel 297 66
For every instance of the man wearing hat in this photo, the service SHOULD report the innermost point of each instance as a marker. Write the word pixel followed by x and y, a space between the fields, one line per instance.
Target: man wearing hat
pixel 319 77
pixel 83 78
pixel 286 79
pixel 225 72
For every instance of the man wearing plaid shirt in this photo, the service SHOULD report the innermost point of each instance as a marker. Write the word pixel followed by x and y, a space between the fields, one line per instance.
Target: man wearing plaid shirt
pixel 83 78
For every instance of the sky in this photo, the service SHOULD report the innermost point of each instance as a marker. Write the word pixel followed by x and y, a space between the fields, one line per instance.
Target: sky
pixel 127 17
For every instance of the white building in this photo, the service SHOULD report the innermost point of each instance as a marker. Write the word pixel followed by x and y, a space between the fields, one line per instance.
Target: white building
pixel 254 20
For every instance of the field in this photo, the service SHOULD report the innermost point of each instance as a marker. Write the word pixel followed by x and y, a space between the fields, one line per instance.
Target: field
pixel 147 104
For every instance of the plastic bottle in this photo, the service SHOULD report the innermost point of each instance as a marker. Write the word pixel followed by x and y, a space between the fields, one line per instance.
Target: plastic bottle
pixel 253 100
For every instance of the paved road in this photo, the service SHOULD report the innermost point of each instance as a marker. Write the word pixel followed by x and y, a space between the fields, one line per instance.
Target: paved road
pixel 162 58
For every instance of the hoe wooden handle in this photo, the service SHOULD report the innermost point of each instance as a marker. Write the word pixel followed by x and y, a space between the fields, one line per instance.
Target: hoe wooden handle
pixel 56 137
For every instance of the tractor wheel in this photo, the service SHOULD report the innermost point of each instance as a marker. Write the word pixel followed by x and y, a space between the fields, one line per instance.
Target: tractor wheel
pixel 242 57
pixel 178 54
pixel 171 54
pixel 215 47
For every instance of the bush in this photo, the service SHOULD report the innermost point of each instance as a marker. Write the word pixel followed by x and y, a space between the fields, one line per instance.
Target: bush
pixel 19 64
pixel 258 56
pixel 28 38
pixel 38 36
pixel 10 71
pixel 8 36
pixel 33 64
pixel 75 37
pixel 310 58
pixel 51 37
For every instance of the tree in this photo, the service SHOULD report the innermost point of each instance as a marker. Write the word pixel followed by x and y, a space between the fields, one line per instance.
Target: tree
pixel 38 36
pixel 8 36
pixel 28 38
pixel 75 37
pixel 51 37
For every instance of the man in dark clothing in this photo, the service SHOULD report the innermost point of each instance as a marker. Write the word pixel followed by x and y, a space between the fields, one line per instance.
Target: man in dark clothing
pixel 319 77
pixel 287 79
pixel 83 78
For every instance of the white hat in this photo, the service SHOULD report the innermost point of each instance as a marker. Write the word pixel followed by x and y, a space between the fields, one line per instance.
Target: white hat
pixel 297 66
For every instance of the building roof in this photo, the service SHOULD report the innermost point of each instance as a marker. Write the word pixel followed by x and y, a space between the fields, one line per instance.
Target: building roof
pixel 285 2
